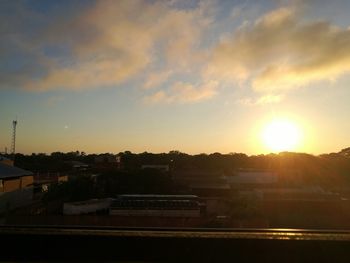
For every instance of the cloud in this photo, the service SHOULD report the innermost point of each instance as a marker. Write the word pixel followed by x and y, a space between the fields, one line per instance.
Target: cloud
pixel 267 99
pixel 157 78
pixel 157 97
pixel 54 100
pixel 184 93
pixel 108 43
pixel 104 44
pixel 279 51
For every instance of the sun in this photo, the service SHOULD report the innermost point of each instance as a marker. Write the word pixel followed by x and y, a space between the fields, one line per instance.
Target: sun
pixel 281 135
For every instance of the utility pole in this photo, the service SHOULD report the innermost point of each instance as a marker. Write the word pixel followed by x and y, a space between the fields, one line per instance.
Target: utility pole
pixel 13 142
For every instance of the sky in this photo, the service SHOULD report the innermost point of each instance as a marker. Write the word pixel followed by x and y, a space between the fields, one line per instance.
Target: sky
pixel 194 76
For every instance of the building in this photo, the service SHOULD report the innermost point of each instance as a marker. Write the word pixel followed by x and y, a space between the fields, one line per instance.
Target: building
pixel 42 181
pixel 251 179
pixel 107 161
pixel 311 193
pixel 105 158
pixel 203 183
pixel 92 206
pixel 160 167
pixel 156 206
pixel 78 166
pixel 210 187
pixel 16 187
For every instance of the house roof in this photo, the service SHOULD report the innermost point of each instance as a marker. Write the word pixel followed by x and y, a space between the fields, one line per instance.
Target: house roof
pixel 7 171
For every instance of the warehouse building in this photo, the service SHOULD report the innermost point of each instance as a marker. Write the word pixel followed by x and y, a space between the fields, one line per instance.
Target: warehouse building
pixel 92 206
pixel 156 205
pixel 251 179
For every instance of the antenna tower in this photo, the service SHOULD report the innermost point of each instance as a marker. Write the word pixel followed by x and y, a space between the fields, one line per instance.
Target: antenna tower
pixel 13 143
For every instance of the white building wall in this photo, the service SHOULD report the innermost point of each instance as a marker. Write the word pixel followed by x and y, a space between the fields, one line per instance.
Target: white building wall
pixel 86 207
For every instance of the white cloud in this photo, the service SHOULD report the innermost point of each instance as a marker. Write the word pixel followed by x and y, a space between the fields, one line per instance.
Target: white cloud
pixel 155 79
pixel 267 99
pixel 184 93
pixel 106 44
pixel 112 42
pixel 280 52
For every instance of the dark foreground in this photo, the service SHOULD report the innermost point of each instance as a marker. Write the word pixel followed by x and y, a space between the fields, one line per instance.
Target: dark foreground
pixel 196 245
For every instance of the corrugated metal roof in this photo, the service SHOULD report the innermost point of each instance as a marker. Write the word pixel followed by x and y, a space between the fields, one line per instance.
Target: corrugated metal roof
pixel 149 201
pixel 7 171
pixel 155 204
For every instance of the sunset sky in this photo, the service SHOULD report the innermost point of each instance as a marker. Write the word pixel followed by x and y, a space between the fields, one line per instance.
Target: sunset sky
pixel 193 76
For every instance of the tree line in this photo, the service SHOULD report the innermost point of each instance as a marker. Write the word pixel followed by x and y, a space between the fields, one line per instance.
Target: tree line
pixel 328 169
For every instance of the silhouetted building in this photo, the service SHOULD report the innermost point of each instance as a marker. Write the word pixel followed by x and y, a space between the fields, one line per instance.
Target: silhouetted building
pixel 108 161
pixel 156 205
pixel 78 166
pixel 16 187
pixel 250 179
pixel 203 183
pixel 298 193
pixel 210 187
pixel 160 167
pixel 43 180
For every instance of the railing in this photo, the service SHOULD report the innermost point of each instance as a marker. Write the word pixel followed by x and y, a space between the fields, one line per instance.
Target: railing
pixel 169 244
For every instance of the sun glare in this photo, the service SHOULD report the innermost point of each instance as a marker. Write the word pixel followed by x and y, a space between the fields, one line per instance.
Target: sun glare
pixel 281 135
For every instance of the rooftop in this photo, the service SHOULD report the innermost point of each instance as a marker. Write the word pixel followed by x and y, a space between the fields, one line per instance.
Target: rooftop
pixel 155 204
pixel 158 202
pixel 7 171
pixel 253 177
